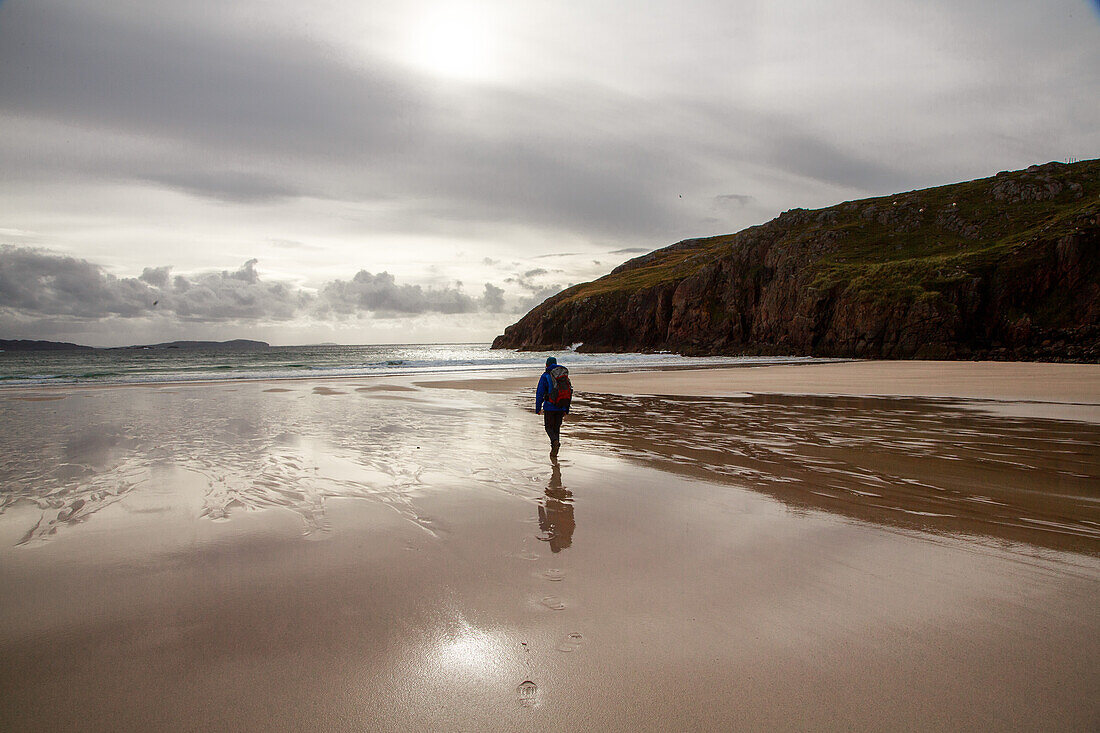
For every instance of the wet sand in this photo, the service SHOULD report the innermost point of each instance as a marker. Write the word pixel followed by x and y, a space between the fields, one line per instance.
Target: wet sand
pixel 1062 391
pixel 710 552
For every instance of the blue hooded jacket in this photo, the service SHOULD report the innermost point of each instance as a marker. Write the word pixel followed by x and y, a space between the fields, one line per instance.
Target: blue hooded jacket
pixel 545 385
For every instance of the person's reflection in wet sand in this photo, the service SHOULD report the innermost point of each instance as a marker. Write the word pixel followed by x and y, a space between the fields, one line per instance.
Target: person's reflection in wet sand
pixel 556 513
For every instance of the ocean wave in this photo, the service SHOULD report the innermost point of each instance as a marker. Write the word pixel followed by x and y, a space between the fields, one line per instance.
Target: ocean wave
pixel 182 365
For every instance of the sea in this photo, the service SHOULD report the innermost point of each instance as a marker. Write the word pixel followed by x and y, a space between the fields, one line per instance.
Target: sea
pixel 152 365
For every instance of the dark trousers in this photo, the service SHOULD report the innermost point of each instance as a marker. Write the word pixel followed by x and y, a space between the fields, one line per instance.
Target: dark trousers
pixel 551 419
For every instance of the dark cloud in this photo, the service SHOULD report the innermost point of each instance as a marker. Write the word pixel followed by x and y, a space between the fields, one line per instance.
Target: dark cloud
pixel 629 251
pixel 41 284
pixel 156 276
pixel 233 295
pixel 534 273
pixel 381 294
pixel 159 71
pixel 735 200
pixel 52 285
pixel 47 284
pixel 493 299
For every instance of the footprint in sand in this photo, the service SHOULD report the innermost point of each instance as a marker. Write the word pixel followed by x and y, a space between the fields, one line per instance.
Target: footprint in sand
pixel 528 693
pixel 554 574
pixel 526 554
pixel 571 642
pixel 553 603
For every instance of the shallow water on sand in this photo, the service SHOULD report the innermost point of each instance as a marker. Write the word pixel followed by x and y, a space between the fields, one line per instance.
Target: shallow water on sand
pixel 934 465
pixel 772 561
pixel 293 449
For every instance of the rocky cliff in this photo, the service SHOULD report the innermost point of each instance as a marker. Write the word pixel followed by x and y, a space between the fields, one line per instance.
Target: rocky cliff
pixel 1006 267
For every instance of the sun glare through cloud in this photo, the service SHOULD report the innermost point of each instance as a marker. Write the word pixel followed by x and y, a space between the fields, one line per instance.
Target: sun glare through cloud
pixel 454 41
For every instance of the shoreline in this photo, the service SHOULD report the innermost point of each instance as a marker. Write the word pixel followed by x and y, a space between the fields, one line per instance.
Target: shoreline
pixel 472 372
pixel 1028 390
pixel 1074 384
pixel 1063 383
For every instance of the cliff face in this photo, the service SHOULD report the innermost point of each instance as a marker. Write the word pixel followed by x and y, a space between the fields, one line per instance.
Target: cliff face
pixel 1005 267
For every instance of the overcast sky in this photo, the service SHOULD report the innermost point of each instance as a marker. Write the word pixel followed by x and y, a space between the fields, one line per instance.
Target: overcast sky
pixel 370 172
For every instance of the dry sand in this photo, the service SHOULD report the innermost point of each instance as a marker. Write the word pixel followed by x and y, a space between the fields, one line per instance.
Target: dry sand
pixel 989 380
pixel 983 380
pixel 391 555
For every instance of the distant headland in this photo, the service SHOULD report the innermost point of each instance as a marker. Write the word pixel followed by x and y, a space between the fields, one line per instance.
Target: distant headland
pixel 28 345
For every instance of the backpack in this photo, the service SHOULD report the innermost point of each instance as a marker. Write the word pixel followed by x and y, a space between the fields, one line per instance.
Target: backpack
pixel 561 390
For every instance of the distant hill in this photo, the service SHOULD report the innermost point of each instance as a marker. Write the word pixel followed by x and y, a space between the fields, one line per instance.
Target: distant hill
pixel 1006 267
pixel 237 344
pixel 25 345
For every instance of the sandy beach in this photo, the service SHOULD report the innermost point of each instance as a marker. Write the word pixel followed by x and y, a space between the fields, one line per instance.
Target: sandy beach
pixel 850 546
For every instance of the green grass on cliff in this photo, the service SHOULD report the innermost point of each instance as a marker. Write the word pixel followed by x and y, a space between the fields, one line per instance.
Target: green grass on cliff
pixel 905 246
pixel 675 266
pixel 668 265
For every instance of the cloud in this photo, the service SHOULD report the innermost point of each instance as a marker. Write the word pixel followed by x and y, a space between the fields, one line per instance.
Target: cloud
pixel 46 284
pixel 809 154
pixel 735 200
pixel 381 294
pixel 493 300
pixel 247 114
pixel 233 295
pixel 40 284
pixel 223 185
pixel 553 255
pixel 538 295
pixel 156 276
pixel 52 285
pixel 535 292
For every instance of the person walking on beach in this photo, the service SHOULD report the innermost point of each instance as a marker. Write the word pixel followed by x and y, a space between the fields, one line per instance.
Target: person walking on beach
pixel 552 398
